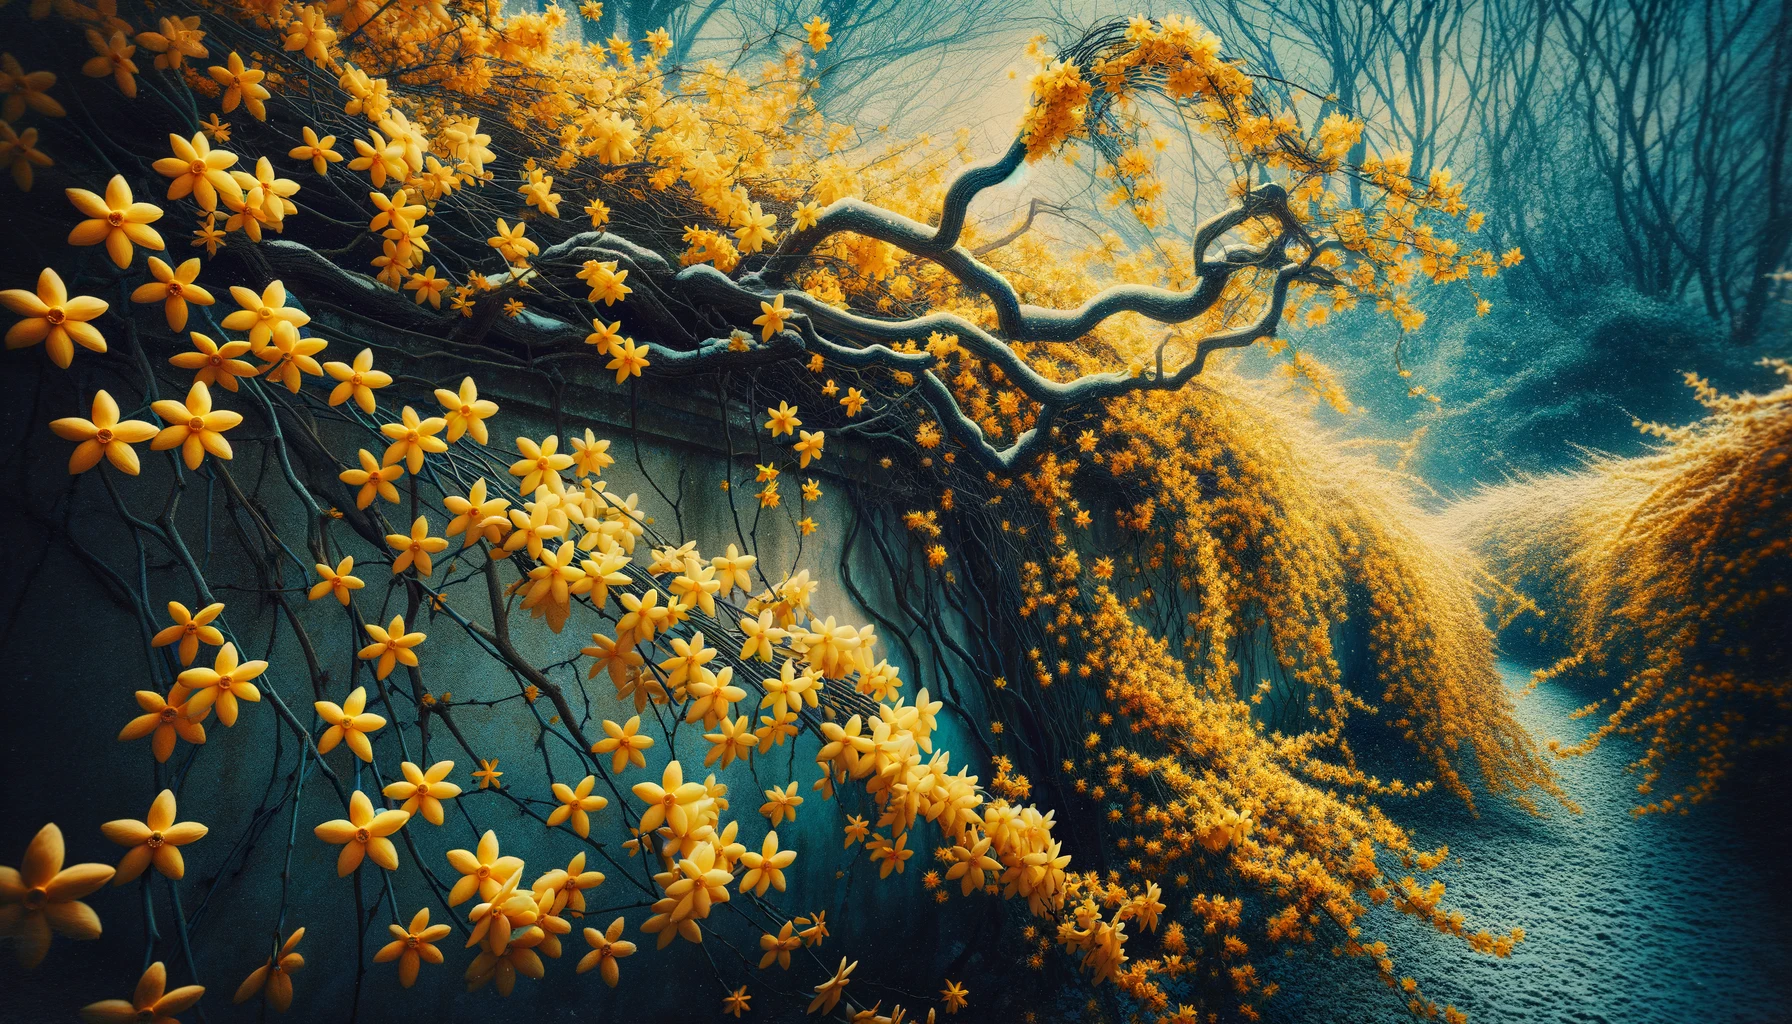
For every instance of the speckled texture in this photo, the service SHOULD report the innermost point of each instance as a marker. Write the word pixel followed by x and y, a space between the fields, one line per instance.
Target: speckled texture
pixel 1628 920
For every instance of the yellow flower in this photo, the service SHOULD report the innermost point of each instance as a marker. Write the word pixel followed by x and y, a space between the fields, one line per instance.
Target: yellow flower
pixel 591 456
pixel 195 428
pixel 807 525
pixel 428 286
pixel 336 581
pixel 890 856
pixel 112 56
pixel 363 835
pixel 392 645
pixel 19 151
pixel 811 490
pixel 828 993
pixel 274 978
pixel 854 401
pixel 411 438
pixel 483 872
pixel 148 1004
pixel 174 288
pixel 223 684
pixel 772 317
pixel 954 996
pixel 510 242
pixel 115 220
pixel 806 215
pixel 627 359
pixel 372 478
pixel 606 947
pixel 41 895
pixel 424 790
pixel 198 169
pixel 54 319
pixel 736 1001
pixel 818 33
pixel 765 868
pixel 809 448
pixel 783 419
pixel 622 742
pixel 166 721
pixel 603 336
pixel 349 722
pixel 357 381
pixel 466 411
pixel 212 363
pixel 671 802
pixel 411 946
pixel 476 516
pixel 488 774
pixel 777 947
pixel 26 89
pixel 156 839
pixel 321 152
pixel 576 805
pixel 208 235
pixel 598 212
pixel 267 315
pixel 540 464
pixel 103 435
pixel 178 39
pixel 241 85
pixel 190 630
pixel 781 803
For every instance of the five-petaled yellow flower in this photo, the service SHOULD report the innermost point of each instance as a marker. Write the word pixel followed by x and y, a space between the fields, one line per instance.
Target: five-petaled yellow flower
pixel 174 288
pixel 606 947
pixel 488 774
pixel 115 220
pixel 241 85
pixel 627 359
pixel 194 427
pixel 267 315
pixel 212 363
pixel 411 946
pixel 103 435
pixel 156 840
pixel 483 871
pixel 225 683
pixel 372 479
pixel 151 1003
pixel 41 895
pixel 190 630
pixel 198 170
pixel 576 805
pixel 337 581
pixel 166 721
pixel 783 419
pixel 363 834
pixel 772 317
pixel 349 722
pixel 321 152
pixel 392 645
pixel 53 319
pixel 358 380
pixel 818 33
pixel 622 742
pixel 423 791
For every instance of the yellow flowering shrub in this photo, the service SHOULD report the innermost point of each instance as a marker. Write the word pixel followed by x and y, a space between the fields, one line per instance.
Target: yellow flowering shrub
pixel 1665 579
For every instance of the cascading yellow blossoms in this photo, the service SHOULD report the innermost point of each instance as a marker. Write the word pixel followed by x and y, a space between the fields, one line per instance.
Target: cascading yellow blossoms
pixel 1666 578
pixel 1196 764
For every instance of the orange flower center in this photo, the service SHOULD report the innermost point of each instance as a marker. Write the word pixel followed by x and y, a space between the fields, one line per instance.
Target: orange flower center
pixel 265 313
pixel 190 628
pixel 174 288
pixel 361 835
pixel 216 360
pixel 35 898
pixel 155 840
pixel 483 873
pixel 168 714
pixel 542 463
pixel 148 1013
pixel 103 435
pixel 466 410
pixel 115 218
pixel 668 801
pixel 54 314
pixel 196 423
pixel 412 941
pixel 196 168
pixel 410 436
pixel 355 380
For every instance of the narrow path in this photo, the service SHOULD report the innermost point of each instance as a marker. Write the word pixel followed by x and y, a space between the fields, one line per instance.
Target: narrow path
pixel 1658 920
